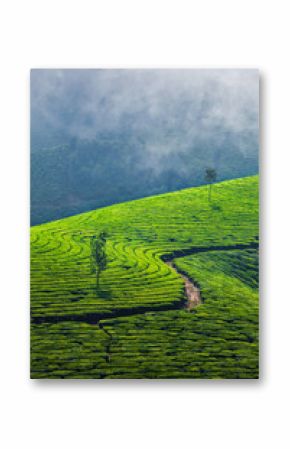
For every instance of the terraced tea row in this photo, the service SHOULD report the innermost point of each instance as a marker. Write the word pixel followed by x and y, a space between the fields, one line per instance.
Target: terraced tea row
pixel 218 339
pixel 134 277
pixel 61 283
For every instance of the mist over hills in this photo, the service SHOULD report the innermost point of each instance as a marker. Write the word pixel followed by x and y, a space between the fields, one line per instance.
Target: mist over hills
pixel 104 136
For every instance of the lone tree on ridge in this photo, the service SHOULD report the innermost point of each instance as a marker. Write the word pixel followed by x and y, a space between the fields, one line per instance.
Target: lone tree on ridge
pixel 210 176
pixel 98 255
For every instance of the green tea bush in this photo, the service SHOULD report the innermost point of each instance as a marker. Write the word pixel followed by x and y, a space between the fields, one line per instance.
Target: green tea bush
pixel 126 327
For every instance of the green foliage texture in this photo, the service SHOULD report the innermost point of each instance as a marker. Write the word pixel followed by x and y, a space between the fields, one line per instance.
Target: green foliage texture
pixel 135 325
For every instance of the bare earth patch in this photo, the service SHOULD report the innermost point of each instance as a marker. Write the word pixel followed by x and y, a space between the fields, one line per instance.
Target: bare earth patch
pixel 192 291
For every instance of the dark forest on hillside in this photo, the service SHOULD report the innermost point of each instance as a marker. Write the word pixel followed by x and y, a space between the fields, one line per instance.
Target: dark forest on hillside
pixel 100 137
pixel 83 175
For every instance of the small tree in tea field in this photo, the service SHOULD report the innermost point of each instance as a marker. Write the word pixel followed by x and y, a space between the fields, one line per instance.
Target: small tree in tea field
pixel 98 255
pixel 210 176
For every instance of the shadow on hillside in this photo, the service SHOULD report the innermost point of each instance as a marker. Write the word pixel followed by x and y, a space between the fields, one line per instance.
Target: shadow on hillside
pixel 104 294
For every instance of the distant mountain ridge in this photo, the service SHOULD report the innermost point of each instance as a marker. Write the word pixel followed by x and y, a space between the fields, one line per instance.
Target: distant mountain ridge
pixel 86 174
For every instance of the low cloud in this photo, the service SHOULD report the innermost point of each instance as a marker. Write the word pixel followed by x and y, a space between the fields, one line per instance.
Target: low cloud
pixel 170 111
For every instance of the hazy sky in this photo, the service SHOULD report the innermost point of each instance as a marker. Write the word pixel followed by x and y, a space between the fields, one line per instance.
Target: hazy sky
pixel 172 110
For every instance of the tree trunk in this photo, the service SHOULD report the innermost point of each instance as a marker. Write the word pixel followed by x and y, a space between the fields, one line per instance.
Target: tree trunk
pixel 209 192
pixel 98 278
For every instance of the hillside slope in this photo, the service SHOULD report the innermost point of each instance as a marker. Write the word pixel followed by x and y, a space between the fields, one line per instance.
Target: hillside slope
pixel 80 332
pixel 70 179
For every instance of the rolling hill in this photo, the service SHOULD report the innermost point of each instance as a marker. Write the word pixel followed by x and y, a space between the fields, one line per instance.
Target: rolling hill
pixel 82 175
pixel 136 324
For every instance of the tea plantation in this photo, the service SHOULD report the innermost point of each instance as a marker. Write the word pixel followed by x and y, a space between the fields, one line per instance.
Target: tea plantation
pixel 135 324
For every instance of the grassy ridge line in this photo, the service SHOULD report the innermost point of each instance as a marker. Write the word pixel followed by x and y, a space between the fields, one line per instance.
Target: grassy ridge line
pixel 86 216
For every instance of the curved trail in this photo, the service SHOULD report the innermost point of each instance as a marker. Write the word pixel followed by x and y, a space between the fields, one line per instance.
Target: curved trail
pixel 192 291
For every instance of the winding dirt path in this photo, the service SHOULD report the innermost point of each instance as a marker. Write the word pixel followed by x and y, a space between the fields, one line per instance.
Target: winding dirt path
pixel 192 293
pixel 191 290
